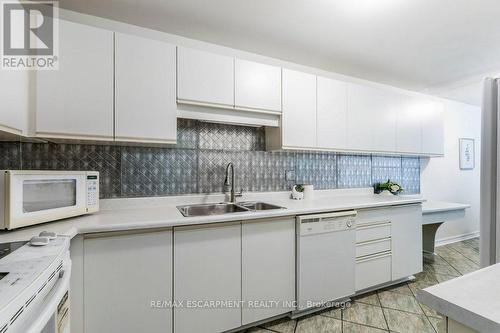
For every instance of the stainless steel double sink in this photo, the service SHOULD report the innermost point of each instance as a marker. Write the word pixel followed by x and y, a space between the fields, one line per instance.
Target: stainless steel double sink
pixel 224 208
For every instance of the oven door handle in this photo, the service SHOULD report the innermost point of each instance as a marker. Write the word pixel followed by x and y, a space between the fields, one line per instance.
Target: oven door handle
pixel 48 309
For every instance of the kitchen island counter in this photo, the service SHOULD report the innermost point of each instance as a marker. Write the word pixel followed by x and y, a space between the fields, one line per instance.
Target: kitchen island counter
pixel 472 300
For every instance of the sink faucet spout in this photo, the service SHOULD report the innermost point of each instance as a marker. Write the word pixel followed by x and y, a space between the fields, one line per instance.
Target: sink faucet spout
pixel 230 187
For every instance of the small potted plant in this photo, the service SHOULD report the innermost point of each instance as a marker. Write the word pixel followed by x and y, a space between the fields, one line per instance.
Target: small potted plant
pixel 298 192
pixel 388 187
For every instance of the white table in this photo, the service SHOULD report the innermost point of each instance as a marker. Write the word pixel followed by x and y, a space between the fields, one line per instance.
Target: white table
pixel 435 213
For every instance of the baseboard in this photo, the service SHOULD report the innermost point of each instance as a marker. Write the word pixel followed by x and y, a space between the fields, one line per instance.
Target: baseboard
pixel 454 239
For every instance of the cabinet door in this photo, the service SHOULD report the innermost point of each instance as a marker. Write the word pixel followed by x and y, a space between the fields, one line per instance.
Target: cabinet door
pixel 268 267
pixel 145 108
pixel 432 128
pixel 207 267
pixel 123 276
pixel 14 87
pixel 257 86
pixel 406 229
pixel 332 114
pixel 299 110
pixel 360 117
pixel 204 77
pixel 371 119
pixel 76 101
pixel 409 125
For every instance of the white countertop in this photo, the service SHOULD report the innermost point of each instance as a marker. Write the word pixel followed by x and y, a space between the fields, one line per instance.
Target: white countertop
pixel 472 300
pixel 142 213
pixel 430 207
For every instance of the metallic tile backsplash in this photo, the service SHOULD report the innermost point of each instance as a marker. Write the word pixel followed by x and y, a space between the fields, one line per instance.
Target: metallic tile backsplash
pixel 197 164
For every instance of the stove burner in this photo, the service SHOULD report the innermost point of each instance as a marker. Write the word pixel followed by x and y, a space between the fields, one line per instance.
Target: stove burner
pixel 7 248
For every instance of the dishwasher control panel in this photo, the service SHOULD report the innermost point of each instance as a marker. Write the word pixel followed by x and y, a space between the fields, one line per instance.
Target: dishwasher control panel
pixel 316 224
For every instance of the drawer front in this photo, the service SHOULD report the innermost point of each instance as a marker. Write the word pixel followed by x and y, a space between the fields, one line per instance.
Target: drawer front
pixel 373 271
pixel 373 216
pixel 373 247
pixel 373 232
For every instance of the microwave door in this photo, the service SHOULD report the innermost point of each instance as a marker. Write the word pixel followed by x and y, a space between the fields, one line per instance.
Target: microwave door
pixel 40 195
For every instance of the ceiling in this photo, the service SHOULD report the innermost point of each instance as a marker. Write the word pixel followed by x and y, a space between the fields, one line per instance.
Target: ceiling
pixel 421 45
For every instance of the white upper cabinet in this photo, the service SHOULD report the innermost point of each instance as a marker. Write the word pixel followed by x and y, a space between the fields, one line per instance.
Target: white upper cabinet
pixel 331 113
pixel 257 86
pixel 76 101
pixel 360 117
pixel 432 113
pixel 205 78
pixel 14 97
pixel 420 126
pixel 145 107
pixel 384 121
pixel 409 125
pixel 371 119
pixel 299 110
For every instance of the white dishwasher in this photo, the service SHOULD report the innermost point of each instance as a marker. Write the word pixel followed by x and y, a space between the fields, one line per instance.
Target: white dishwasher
pixel 326 258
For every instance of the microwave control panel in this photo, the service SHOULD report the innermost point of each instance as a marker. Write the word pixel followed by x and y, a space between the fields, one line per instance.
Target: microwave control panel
pixel 92 192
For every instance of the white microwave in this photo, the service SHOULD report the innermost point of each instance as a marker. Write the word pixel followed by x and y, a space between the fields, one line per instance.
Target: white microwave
pixel 33 197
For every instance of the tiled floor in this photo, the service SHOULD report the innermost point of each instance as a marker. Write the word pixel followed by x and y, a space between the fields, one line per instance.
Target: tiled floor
pixel 394 309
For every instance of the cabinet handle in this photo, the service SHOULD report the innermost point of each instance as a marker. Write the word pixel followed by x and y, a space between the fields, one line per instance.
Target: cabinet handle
pixel 374 257
pixel 374 225
pixel 374 241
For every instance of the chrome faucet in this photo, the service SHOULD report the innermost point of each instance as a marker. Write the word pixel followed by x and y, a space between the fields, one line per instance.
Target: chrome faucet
pixel 230 187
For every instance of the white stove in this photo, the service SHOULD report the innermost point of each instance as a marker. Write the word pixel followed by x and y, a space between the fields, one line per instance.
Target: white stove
pixel 34 282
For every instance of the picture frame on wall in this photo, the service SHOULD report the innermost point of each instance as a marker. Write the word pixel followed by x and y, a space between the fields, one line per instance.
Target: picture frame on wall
pixel 467 153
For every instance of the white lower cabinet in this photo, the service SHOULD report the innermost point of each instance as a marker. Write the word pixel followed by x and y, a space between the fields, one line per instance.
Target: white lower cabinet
pixel 268 268
pixel 375 246
pixel 372 232
pixel 225 275
pixel 406 240
pixel 373 270
pixel 207 268
pixel 123 275
pixel 388 244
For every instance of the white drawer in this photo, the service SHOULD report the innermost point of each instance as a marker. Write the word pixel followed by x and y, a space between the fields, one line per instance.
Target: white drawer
pixel 373 216
pixel 373 247
pixel 371 232
pixel 372 271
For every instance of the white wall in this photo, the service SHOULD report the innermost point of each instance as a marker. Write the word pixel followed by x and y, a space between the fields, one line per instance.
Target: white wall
pixel 442 179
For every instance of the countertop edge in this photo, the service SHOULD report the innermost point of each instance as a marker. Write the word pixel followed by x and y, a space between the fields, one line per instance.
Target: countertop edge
pixel 457 313
pixel 245 216
pixel 87 224
pixel 451 207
